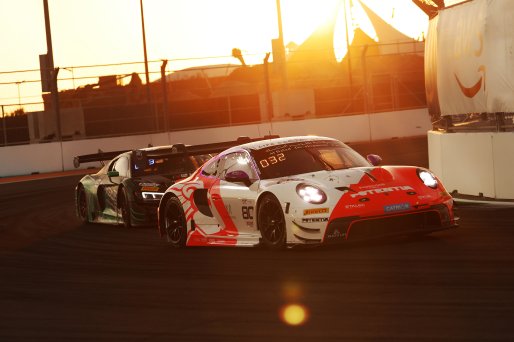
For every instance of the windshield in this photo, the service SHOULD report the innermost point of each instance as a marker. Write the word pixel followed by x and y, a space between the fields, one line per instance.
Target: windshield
pixel 167 165
pixel 305 156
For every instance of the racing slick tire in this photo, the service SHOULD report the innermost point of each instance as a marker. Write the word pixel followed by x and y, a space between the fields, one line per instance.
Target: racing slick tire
pixel 271 223
pixel 175 223
pixel 124 208
pixel 82 208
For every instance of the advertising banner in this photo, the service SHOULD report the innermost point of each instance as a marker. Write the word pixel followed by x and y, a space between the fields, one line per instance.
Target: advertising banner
pixel 469 59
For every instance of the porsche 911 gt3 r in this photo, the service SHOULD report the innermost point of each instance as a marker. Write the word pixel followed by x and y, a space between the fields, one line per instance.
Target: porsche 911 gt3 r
pixel 300 190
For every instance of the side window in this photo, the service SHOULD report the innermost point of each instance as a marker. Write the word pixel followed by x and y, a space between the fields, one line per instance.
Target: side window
pixel 122 166
pixel 210 168
pixel 238 161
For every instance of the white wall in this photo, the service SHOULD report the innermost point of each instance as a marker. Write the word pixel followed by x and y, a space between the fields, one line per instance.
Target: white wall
pixel 51 157
pixel 474 163
pixel 27 159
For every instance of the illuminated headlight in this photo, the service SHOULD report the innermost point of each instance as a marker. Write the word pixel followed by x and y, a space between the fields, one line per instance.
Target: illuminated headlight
pixel 427 178
pixel 311 194
pixel 151 195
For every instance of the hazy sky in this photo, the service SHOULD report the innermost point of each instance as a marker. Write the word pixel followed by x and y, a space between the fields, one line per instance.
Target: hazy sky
pixel 91 32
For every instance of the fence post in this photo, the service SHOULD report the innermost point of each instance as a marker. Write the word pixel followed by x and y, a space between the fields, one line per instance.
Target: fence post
pixel 3 125
pixel 164 94
pixel 269 99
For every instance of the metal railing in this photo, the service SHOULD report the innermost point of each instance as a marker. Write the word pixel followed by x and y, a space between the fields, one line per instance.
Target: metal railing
pixel 475 122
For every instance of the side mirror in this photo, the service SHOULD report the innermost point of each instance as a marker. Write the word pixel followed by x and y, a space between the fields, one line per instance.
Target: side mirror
pixel 113 174
pixel 374 159
pixel 238 177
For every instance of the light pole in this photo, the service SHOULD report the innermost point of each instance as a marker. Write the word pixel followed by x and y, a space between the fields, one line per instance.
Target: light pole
pixel 348 45
pixel 52 72
pixel 148 94
pixel 282 52
pixel 144 48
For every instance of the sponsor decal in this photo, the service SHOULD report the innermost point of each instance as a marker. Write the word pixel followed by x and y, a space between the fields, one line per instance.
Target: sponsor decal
pixel 316 211
pixel 336 234
pixel 382 190
pixel 149 184
pixel 314 219
pixel 355 206
pixel 473 89
pixel 422 197
pixel 149 188
pixel 372 186
pixel 396 207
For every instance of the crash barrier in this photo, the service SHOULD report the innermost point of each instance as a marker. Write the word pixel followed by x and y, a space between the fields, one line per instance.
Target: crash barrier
pixel 475 164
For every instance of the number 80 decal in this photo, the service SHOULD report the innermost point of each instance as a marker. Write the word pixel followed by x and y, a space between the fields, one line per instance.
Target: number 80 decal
pixel 247 212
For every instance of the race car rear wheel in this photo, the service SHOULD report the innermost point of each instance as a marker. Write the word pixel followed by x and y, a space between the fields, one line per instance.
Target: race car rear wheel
pixel 175 223
pixel 124 208
pixel 271 223
pixel 82 208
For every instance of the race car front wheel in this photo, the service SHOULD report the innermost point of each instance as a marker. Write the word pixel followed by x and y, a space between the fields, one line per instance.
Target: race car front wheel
pixel 82 209
pixel 175 223
pixel 271 223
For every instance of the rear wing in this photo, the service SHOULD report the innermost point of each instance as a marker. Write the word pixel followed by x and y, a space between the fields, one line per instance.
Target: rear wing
pixel 211 147
pixel 175 149
pixel 100 156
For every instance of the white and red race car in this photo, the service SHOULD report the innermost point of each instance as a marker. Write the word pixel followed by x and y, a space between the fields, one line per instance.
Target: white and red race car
pixel 300 190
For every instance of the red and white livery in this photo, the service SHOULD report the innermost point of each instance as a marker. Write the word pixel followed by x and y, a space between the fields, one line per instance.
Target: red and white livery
pixel 300 190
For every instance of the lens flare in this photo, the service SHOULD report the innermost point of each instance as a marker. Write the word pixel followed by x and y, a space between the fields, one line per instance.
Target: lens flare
pixel 294 314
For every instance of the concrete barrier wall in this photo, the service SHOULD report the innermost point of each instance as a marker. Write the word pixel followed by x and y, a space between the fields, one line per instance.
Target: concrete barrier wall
pixel 51 157
pixel 474 163
pixel 503 156
pixel 27 159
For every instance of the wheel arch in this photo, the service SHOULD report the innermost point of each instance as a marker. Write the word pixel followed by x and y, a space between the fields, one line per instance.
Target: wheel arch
pixel 258 203
pixel 160 212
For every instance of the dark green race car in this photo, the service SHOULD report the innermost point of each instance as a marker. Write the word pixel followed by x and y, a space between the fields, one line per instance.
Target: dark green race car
pixel 127 189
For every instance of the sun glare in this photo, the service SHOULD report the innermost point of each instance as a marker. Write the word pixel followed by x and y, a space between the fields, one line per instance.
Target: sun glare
pixel 294 314
pixel 301 17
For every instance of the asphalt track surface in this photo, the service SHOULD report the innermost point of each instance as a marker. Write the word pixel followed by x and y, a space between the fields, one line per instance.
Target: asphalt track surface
pixel 63 281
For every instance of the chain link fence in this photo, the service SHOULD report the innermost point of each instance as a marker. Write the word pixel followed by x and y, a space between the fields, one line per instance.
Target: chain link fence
pixel 112 100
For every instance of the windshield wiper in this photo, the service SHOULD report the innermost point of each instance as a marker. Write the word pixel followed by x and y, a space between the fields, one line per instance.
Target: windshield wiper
pixel 321 160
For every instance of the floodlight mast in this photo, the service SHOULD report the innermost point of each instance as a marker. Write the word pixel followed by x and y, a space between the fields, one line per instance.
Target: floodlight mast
pixel 52 72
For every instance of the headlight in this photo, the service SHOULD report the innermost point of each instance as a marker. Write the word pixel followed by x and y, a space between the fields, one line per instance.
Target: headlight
pixel 151 195
pixel 427 178
pixel 148 196
pixel 311 194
